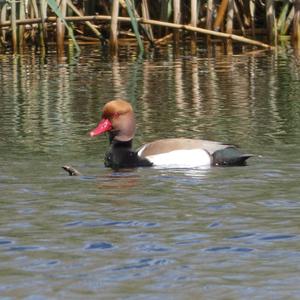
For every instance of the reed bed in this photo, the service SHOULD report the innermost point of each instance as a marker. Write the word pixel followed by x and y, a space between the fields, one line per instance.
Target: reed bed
pixel 40 22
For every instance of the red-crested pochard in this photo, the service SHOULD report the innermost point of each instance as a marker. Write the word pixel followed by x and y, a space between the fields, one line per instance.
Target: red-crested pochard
pixel 119 121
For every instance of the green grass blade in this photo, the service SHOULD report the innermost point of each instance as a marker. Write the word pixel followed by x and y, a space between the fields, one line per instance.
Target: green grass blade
pixel 134 24
pixel 282 17
pixel 56 10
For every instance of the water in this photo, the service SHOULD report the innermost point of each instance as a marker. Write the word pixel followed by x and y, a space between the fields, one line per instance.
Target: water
pixel 225 233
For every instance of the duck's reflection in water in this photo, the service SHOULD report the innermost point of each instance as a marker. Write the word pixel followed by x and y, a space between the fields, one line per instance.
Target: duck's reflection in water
pixel 119 180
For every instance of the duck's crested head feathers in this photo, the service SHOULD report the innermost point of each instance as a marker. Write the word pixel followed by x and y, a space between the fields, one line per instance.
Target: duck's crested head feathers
pixel 115 108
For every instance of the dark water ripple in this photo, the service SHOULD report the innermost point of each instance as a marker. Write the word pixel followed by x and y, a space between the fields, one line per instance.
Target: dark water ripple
pixel 228 249
pixel 112 224
pixel 277 237
pixel 99 246
pixel 25 248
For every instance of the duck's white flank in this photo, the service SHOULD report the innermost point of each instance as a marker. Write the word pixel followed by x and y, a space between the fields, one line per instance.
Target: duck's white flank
pixel 181 158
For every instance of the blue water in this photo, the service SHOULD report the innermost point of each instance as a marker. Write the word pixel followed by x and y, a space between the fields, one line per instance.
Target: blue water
pixel 220 233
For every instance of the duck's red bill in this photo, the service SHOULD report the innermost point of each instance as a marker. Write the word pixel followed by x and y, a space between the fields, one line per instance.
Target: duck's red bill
pixel 103 126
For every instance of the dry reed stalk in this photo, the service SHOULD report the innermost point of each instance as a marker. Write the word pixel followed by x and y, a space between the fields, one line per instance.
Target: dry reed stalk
pixel 21 27
pixel 194 22
pixel 220 15
pixel 288 20
pixel 164 39
pixel 114 27
pixel 176 18
pixel 3 19
pixel 14 26
pixel 209 19
pixel 252 16
pixel 210 32
pixel 229 25
pixel 60 27
pixel 43 9
pixel 296 24
pixel 194 13
pixel 230 15
pixel 35 8
pixel 33 13
pixel 43 27
pixel 152 22
pixel 209 14
pixel 271 21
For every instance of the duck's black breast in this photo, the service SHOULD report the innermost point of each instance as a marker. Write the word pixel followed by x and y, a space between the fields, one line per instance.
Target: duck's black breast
pixel 121 155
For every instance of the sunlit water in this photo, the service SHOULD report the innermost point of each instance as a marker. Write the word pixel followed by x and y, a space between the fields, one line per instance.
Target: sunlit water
pixel 219 233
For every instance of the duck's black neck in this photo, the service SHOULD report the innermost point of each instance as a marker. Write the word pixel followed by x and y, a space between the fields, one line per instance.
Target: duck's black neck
pixel 121 155
pixel 121 144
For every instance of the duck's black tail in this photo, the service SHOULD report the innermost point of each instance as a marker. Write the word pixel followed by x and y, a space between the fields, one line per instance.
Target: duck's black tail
pixel 230 156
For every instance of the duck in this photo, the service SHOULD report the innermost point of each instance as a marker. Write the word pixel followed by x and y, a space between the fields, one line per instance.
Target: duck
pixel 118 120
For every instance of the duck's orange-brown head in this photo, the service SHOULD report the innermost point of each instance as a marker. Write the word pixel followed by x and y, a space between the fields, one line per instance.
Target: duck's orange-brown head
pixel 117 119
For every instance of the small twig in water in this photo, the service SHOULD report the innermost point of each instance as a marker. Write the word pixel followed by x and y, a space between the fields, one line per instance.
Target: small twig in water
pixel 72 171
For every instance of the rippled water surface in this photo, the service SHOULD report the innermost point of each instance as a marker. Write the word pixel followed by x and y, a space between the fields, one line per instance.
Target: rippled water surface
pixel 219 233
